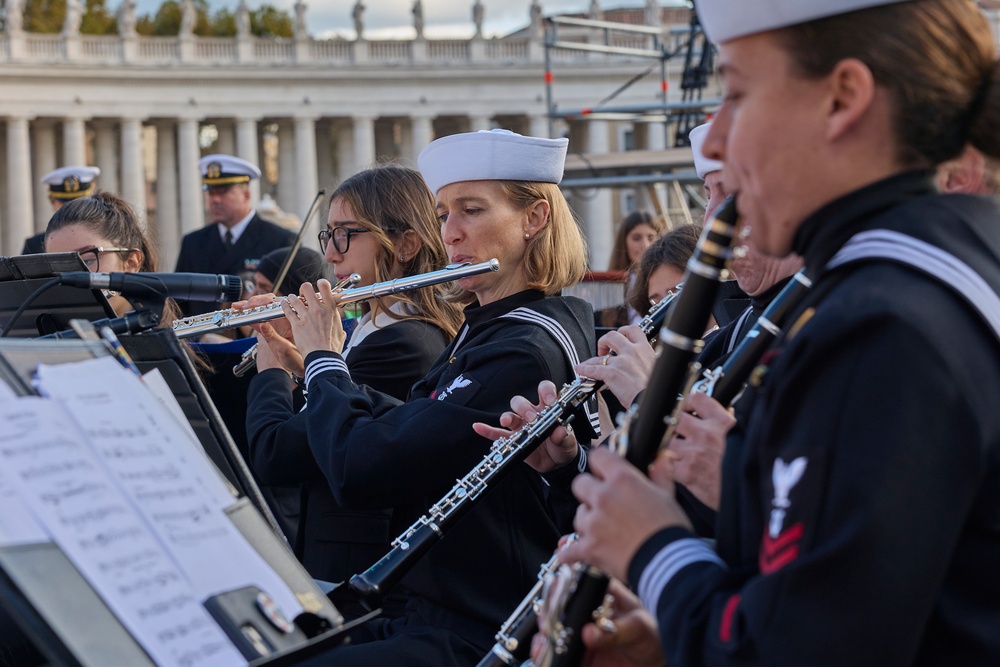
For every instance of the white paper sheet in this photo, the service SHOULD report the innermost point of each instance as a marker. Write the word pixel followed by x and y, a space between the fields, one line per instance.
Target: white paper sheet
pixel 69 490
pixel 169 478
pixel 17 525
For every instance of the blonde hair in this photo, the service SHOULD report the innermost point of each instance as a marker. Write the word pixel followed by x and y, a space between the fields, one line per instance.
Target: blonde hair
pixel 556 256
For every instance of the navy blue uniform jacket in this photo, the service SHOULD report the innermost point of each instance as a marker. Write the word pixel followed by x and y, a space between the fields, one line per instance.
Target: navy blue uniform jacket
pixel 203 251
pixel 860 515
pixel 376 451
pixel 333 542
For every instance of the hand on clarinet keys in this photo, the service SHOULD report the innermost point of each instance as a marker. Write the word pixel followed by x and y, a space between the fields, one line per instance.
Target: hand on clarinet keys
pixel 558 450
pixel 620 508
pixel 693 457
pixel 629 637
pixel 624 361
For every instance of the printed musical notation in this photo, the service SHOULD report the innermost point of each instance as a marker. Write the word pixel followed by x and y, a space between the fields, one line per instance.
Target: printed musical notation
pixel 53 470
pixel 166 474
pixel 102 468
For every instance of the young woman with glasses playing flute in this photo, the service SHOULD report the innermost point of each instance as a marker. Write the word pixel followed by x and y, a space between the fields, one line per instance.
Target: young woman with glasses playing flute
pixel 382 225
pixel 496 198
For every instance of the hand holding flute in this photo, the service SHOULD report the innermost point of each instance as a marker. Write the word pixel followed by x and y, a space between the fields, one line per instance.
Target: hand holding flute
pixel 314 318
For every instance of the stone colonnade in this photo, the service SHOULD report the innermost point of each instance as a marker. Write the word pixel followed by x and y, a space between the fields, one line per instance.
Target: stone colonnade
pixel 161 175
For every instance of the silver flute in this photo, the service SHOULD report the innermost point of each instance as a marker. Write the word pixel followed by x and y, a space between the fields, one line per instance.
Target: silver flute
pixel 248 361
pixel 230 318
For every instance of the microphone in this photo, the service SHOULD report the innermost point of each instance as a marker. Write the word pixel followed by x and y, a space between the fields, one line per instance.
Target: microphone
pixel 182 286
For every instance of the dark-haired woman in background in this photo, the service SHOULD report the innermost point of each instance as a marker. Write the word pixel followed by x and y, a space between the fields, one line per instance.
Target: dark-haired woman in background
pixel 105 230
pixel 635 234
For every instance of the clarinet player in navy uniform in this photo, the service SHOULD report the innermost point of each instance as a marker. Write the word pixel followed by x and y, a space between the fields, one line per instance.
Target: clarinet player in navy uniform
pixel 860 514
pixel 236 237
pixel 497 197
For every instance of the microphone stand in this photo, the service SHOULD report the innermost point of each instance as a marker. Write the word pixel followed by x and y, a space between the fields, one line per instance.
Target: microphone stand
pixel 132 322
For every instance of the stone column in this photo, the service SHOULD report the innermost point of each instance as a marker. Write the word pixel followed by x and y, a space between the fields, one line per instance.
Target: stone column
pixel 106 154
pixel 598 224
pixel 43 154
pixel 345 150
pixel 326 169
pixel 226 143
pixel 246 148
pixel 74 142
pixel 168 225
pixel 3 189
pixel 306 179
pixel 133 175
pixel 189 179
pixel 422 133
pixel 479 122
pixel 656 140
pixel 19 222
pixel 364 142
pixel 539 126
pixel 287 190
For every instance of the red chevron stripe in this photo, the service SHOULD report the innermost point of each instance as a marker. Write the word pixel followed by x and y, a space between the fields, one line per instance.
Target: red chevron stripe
pixel 775 563
pixel 772 546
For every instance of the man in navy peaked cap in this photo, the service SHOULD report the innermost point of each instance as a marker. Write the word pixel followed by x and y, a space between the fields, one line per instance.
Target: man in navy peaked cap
pixel 236 237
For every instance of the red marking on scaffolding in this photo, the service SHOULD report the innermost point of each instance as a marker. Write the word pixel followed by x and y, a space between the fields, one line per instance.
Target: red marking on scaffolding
pixel 548 77
pixel 585 112
pixel 664 85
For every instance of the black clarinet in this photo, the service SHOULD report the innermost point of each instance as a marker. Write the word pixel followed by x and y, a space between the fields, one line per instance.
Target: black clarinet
pixel 372 585
pixel 648 423
pixel 725 382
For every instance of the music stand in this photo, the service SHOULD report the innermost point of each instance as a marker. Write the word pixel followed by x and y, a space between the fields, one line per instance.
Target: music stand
pixel 51 311
pixel 66 617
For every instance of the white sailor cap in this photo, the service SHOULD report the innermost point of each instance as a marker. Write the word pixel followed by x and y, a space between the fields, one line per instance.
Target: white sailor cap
pixel 73 182
pixel 703 165
pixel 724 20
pixel 219 170
pixel 492 155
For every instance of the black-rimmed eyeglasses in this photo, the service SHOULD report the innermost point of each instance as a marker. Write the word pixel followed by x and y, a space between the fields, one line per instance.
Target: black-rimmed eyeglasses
pixel 92 258
pixel 341 237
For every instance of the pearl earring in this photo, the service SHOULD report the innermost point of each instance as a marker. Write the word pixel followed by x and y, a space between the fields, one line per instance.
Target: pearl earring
pixel 527 235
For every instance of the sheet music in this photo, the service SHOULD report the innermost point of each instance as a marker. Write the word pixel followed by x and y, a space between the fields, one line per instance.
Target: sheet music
pixel 68 489
pixel 169 478
pixel 17 525
pixel 158 386
pixel 6 393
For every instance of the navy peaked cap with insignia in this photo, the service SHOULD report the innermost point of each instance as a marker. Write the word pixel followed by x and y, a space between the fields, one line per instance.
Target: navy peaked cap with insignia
pixel 219 170
pixel 73 182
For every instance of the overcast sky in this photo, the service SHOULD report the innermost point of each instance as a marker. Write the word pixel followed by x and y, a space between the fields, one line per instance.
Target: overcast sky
pixel 388 19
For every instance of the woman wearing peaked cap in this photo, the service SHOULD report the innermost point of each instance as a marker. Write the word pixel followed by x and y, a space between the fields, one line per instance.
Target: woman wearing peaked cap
pixel 860 515
pixel 496 197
